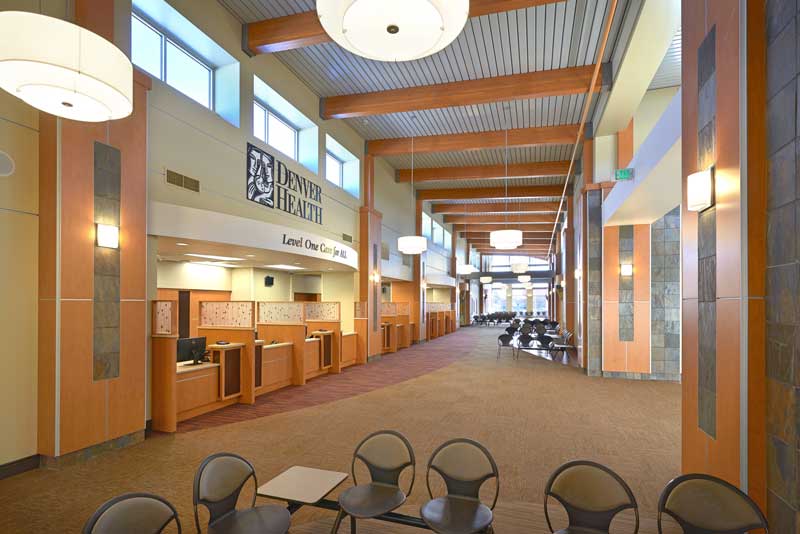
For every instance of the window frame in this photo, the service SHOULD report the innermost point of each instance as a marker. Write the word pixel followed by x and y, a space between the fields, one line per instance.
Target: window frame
pixel 166 38
pixel 270 112
pixel 340 178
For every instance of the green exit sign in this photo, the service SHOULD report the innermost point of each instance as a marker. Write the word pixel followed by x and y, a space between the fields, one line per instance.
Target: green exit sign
pixel 623 174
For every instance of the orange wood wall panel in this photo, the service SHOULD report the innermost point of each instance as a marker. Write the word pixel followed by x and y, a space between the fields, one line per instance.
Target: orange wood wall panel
pixel 625 146
pixel 46 379
pixel 638 350
pixel 614 350
pixel 167 294
pixel 349 349
pixel 195 298
pixel 126 394
pixel 131 134
pixel 724 457
pixel 48 211
pixel 77 207
pixel 83 401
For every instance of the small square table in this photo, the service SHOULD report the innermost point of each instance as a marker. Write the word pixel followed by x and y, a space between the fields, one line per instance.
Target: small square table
pixel 302 485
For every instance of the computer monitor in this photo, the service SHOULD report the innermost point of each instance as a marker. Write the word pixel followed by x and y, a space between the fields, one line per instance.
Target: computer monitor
pixel 191 349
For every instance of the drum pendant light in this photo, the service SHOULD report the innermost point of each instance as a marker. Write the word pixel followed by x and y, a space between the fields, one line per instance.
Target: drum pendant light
pixel 63 69
pixel 506 239
pixel 412 244
pixel 393 30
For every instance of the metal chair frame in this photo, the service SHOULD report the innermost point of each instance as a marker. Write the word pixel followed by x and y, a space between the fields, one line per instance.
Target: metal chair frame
pixel 92 522
pixel 228 504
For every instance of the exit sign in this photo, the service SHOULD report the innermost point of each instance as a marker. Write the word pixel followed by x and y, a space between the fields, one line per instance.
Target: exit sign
pixel 623 174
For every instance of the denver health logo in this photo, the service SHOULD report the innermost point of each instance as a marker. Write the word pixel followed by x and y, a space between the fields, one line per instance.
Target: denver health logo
pixel 271 184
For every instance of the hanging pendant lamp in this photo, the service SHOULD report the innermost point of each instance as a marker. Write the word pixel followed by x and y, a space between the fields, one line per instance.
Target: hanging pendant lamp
pixel 505 239
pixel 393 30
pixel 63 69
pixel 412 244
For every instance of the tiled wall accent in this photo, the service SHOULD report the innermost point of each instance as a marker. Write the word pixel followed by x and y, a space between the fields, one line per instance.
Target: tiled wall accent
pixel 783 269
pixel 665 306
pixel 107 185
pixel 230 314
pixel 163 317
pixel 625 284
pixel 402 308
pixel 322 311
pixel 360 310
pixel 593 345
pixel 707 319
pixel 388 308
pixel 282 312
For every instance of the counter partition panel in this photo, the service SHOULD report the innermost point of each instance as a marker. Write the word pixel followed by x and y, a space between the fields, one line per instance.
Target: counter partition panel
pixel 227 314
pixel 164 319
pixel 284 323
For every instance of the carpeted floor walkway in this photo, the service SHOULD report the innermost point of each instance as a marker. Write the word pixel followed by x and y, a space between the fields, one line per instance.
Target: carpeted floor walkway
pixel 531 413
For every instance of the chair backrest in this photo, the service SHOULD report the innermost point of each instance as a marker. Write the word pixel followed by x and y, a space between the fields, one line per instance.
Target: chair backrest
pixel 504 340
pixel 511 330
pixel 132 513
pixel 218 482
pixel 540 328
pixel 704 503
pixel 525 340
pixel 591 493
pixel 544 340
pixel 386 454
pixel 464 465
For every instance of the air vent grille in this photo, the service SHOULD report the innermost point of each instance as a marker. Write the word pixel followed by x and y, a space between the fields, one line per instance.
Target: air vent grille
pixel 347 238
pixel 185 182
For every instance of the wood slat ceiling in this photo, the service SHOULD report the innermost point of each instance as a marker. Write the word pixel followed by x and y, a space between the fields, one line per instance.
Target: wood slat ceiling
pixel 557 35
pixel 669 72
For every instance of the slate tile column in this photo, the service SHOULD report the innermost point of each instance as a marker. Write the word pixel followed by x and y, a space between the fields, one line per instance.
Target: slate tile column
pixel 594 282
pixel 665 293
pixel 783 269
pixel 625 284
pixel 107 186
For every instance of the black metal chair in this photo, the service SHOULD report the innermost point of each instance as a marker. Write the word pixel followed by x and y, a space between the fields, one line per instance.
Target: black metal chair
pixel 464 465
pixel 592 494
pixel 525 341
pixel 505 340
pixel 703 503
pixel 511 330
pixel 386 454
pixel 133 513
pixel 217 485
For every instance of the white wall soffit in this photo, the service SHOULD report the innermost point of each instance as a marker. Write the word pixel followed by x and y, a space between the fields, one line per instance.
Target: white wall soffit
pixel 396 271
pixel 656 187
pixel 651 38
pixel 189 223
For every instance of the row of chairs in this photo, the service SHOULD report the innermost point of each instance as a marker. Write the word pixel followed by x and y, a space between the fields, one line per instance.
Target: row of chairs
pixel 525 340
pixel 591 494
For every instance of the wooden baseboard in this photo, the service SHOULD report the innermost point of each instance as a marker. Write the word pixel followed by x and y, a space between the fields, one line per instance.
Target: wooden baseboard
pixel 19 466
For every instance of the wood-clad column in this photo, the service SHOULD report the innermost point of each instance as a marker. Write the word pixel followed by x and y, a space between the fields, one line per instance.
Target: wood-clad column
pixel 454 274
pixel 568 246
pixel 418 286
pixel 369 258
pixel 92 300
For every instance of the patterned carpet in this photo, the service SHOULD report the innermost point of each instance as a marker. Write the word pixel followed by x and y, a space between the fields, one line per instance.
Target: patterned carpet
pixel 531 413
pixel 391 369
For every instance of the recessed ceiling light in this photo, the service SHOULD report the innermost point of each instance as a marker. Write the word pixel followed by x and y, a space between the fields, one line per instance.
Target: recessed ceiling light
pixel 182 244
pixel 212 257
pixel 281 266
pixel 213 263
pixel 249 255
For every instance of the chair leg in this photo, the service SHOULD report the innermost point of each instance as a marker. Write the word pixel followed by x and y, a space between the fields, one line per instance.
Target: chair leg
pixel 352 525
pixel 337 522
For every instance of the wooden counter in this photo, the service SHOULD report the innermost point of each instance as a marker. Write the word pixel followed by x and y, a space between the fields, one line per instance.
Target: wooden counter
pixel 274 366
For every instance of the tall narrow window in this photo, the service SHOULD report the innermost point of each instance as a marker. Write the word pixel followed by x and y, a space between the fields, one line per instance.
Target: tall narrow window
pixel 146 45
pixel 259 121
pixel 281 135
pixel 188 75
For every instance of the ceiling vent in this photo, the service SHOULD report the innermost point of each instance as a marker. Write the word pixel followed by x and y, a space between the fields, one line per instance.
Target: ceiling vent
pixel 347 238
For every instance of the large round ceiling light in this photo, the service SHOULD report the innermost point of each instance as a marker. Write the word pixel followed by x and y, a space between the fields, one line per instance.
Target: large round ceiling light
pixel 505 239
pixel 63 69
pixel 412 244
pixel 393 30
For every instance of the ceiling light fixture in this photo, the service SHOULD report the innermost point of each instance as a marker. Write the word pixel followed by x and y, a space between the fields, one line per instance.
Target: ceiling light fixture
pixel 412 245
pixel 63 69
pixel 524 278
pixel 485 279
pixel 519 268
pixel 393 30
pixel 506 239
pixel 182 244
pixel 212 257
pixel 283 267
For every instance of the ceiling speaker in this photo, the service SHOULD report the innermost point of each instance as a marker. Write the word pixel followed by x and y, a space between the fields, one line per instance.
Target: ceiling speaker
pixel 6 164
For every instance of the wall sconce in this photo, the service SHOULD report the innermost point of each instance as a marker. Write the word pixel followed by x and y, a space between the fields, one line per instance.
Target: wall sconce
pixel 107 236
pixel 563 284
pixel 700 190
pixel 626 269
pixel 577 274
pixel 485 279
pixel 524 278
pixel 423 285
pixel 375 277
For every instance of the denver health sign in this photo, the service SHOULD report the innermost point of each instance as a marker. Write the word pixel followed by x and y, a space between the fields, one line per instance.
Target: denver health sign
pixel 271 184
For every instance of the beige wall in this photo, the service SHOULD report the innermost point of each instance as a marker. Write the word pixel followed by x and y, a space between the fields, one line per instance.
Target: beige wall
pixel 185 275
pixel 281 290
pixel 395 203
pixel 302 283
pixel 19 227
pixel 341 287
pixel 438 294
pixel 649 111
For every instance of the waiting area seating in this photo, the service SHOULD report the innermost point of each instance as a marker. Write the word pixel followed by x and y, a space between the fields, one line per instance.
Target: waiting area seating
pixel 591 494
pixel 533 335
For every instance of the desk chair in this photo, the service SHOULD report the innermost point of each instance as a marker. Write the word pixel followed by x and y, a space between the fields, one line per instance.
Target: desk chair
pixel 505 340
pixel 133 513
pixel 592 494
pixel 464 465
pixel 217 485
pixel 704 503
pixel 386 454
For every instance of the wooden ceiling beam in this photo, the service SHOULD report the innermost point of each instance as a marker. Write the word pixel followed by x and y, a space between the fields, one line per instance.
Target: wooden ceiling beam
pixel 535 234
pixel 496 207
pixel 538 84
pixel 527 191
pixel 485 172
pixel 510 218
pixel 520 137
pixel 304 29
